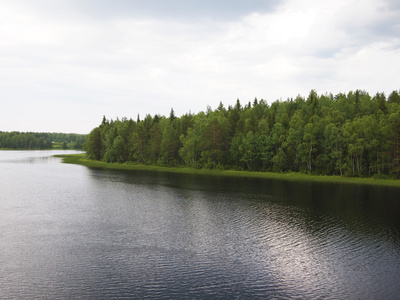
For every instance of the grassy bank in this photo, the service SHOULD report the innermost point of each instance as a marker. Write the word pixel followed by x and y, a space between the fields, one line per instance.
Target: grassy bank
pixel 81 160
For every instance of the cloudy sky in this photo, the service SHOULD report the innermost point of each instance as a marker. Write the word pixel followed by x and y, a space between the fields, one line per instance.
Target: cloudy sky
pixel 66 63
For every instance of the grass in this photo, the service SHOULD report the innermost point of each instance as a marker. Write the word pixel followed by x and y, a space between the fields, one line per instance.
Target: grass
pixel 81 160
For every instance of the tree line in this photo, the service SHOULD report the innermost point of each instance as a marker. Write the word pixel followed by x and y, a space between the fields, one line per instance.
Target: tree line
pixel 350 134
pixel 41 140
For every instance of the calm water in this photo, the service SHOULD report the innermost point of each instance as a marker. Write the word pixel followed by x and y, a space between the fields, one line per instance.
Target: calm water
pixel 67 231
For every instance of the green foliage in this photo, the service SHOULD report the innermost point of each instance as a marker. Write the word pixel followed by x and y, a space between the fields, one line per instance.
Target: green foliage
pixel 41 140
pixel 355 135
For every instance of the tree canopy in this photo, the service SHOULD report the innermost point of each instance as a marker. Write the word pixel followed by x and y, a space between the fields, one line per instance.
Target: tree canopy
pixel 353 135
pixel 41 140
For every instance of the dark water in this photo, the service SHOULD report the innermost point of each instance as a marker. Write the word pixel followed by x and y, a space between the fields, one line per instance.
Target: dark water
pixel 70 232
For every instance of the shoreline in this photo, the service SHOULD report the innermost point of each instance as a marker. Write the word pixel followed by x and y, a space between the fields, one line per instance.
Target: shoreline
pixel 80 159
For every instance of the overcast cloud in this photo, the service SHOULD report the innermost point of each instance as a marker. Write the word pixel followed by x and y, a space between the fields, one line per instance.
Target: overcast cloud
pixel 65 64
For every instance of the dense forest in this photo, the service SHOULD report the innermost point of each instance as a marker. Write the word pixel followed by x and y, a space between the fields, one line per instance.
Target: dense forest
pixel 350 135
pixel 41 140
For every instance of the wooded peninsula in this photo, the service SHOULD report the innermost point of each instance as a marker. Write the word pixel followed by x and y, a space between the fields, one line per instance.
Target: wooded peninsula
pixel 352 135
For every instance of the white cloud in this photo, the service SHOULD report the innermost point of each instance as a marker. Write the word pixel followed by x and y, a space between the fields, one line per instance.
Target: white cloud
pixel 60 64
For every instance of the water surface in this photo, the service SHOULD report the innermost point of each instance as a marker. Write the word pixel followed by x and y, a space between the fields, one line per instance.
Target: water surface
pixel 67 231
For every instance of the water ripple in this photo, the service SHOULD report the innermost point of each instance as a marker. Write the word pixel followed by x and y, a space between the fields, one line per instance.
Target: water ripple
pixel 74 233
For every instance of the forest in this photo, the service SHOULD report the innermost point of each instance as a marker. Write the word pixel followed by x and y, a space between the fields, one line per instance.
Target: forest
pixel 350 134
pixel 41 140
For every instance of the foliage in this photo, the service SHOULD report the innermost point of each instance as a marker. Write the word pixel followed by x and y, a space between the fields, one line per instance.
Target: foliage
pixel 354 135
pixel 41 140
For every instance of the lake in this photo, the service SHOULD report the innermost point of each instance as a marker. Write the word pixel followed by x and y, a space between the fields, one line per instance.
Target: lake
pixel 71 232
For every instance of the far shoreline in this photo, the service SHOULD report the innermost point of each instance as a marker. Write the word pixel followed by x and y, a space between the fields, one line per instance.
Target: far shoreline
pixel 80 159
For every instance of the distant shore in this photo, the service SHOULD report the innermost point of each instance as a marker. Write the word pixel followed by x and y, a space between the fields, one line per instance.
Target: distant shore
pixel 80 159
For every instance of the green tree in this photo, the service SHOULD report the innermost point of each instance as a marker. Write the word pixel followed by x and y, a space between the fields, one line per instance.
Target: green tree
pixel 307 148
pixel 215 141
pixel 190 150
pixel 94 146
pixel 139 143
pixel 169 145
pixel 394 97
pixel 312 102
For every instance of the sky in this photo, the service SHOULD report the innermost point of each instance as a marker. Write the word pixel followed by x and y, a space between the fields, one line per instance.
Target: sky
pixel 66 63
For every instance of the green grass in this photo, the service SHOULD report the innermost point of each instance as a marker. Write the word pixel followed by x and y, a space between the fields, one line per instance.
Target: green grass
pixel 81 160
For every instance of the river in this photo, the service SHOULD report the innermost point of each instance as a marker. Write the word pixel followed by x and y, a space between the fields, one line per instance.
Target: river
pixel 72 232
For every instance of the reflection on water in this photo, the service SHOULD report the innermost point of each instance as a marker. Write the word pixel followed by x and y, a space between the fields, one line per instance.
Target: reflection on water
pixel 67 231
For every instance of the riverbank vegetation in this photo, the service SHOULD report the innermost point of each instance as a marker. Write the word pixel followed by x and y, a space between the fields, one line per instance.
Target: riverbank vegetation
pixel 81 159
pixel 353 135
pixel 41 140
